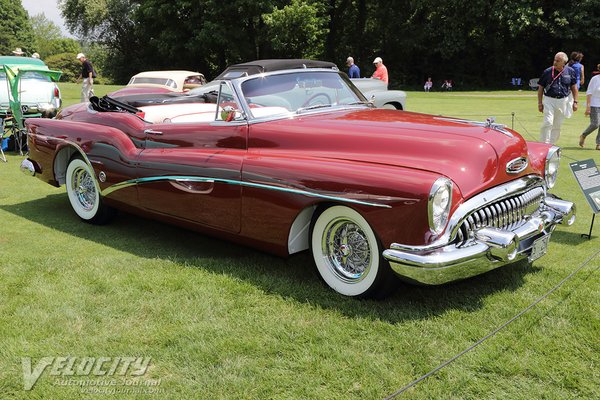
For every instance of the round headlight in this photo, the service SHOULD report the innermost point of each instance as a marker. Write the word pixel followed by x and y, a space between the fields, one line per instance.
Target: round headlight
pixel 440 200
pixel 552 164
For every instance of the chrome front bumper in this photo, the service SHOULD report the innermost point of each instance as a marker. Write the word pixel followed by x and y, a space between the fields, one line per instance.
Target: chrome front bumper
pixel 46 109
pixel 490 248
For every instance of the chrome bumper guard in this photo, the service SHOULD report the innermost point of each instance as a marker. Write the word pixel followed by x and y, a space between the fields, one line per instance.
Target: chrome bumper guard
pixel 490 248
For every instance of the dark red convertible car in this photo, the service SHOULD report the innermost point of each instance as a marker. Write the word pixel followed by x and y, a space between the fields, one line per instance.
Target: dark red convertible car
pixel 287 155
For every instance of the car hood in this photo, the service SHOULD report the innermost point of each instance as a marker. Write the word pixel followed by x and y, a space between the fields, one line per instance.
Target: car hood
pixel 474 157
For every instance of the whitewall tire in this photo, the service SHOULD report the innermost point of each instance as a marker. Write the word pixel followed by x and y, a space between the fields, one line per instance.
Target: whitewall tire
pixel 348 255
pixel 83 193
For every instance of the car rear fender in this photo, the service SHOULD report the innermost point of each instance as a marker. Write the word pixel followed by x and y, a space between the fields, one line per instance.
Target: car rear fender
pixel 395 98
pixel 62 139
pixel 62 158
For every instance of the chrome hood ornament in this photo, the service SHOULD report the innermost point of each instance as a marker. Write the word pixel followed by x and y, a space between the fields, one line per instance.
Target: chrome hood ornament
pixel 489 123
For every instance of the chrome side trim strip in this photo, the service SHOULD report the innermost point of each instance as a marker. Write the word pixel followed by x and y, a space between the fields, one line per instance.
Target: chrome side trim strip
pixel 137 181
pixel 150 179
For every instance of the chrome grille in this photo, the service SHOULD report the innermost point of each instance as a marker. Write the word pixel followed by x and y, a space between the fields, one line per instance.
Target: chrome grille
pixel 507 213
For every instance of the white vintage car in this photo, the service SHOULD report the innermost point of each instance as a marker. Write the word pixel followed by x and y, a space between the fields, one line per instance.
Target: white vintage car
pixel 177 81
pixel 377 92
pixel 173 81
pixel 38 94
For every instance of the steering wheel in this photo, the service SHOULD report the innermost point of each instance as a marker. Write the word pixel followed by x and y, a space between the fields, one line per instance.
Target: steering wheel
pixel 321 94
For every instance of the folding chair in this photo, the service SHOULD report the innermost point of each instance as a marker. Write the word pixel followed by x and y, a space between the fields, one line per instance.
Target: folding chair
pixel 2 139
pixel 9 128
pixel 20 138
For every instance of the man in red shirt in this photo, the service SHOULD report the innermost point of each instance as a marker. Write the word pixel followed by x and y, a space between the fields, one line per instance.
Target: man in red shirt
pixel 380 71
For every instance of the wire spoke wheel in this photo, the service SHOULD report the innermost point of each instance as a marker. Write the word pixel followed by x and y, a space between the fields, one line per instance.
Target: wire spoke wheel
pixel 347 249
pixel 84 194
pixel 347 254
pixel 83 186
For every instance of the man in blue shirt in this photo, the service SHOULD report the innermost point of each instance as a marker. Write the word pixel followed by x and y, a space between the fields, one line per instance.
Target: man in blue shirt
pixel 353 70
pixel 554 87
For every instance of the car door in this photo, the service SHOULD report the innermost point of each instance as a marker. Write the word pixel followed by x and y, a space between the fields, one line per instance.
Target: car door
pixel 190 169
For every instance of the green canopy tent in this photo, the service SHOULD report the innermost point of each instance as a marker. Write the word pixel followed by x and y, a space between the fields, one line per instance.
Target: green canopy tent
pixel 14 68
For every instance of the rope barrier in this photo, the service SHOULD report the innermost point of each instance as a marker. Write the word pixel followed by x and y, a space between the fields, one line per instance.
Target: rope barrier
pixel 495 331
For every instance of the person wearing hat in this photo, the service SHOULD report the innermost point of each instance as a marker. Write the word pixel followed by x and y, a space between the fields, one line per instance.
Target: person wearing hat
pixel 353 70
pixel 35 55
pixel 18 52
pixel 88 74
pixel 381 71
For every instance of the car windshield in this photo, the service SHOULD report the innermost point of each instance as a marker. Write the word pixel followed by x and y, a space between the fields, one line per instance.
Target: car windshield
pixel 35 76
pixel 153 81
pixel 194 80
pixel 297 92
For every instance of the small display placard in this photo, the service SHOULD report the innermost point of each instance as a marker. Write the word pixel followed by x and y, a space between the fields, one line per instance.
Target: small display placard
pixel 587 175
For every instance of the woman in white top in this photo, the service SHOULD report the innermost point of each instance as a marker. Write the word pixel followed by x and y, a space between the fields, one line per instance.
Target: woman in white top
pixel 593 110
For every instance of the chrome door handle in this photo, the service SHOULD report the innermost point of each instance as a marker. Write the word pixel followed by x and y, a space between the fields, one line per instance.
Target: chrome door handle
pixel 152 132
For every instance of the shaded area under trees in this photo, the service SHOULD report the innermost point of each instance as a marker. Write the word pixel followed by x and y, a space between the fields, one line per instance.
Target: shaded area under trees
pixel 476 43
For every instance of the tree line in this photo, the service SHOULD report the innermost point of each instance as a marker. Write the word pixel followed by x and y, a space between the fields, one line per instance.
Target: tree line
pixel 476 43
pixel 37 34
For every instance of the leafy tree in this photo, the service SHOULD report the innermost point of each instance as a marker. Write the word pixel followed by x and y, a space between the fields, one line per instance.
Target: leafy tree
pixel 71 67
pixel 107 23
pixel 64 45
pixel 48 38
pixel 203 35
pixel 297 30
pixel 15 28
pixel 476 43
pixel 43 28
pixel 65 62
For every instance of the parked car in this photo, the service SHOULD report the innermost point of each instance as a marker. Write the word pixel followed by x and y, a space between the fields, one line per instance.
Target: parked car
pixel 38 93
pixel 376 91
pixel 162 82
pixel 289 156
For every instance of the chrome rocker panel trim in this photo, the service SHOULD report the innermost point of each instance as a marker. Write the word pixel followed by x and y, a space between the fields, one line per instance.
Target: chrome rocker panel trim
pixel 490 247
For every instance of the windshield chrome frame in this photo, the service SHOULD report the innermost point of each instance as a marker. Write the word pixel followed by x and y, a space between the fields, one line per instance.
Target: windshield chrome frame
pixel 236 85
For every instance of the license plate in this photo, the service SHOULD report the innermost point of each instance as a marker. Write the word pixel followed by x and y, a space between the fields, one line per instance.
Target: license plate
pixel 539 248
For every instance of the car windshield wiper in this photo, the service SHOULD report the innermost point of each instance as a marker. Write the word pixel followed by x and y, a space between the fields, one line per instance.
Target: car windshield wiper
pixel 365 102
pixel 313 107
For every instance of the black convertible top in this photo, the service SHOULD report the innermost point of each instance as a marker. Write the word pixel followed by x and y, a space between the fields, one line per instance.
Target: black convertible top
pixel 260 66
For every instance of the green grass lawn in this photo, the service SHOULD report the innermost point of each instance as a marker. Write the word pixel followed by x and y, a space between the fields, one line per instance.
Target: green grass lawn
pixel 71 92
pixel 221 321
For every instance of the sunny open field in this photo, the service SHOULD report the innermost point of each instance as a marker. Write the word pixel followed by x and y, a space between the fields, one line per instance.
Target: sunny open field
pixel 221 321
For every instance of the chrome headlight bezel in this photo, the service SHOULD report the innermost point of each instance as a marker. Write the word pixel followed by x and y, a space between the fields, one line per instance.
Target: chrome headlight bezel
pixel 439 203
pixel 551 167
